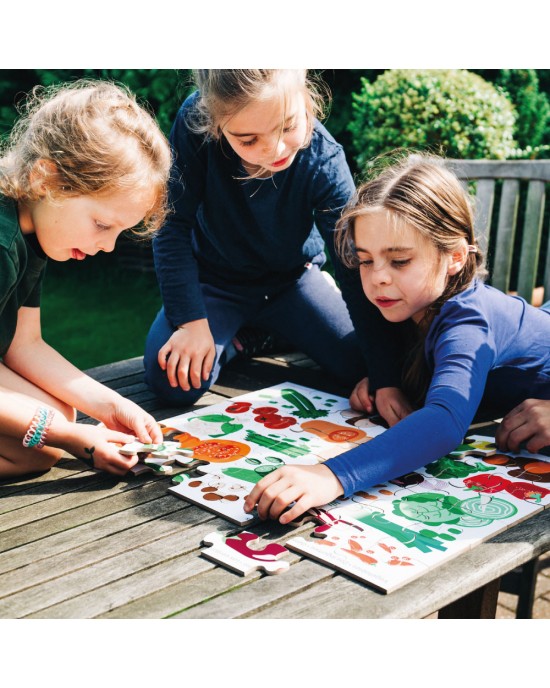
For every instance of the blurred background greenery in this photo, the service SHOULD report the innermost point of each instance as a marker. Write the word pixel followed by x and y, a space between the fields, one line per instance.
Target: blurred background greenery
pixel 99 311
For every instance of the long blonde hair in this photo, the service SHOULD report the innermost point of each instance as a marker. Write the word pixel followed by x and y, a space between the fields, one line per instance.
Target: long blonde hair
pixel 417 189
pixel 99 139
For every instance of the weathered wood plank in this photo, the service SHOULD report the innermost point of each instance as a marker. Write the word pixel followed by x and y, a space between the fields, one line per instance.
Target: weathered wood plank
pixel 167 519
pixel 75 511
pixel 530 245
pixel 84 594
pixel 108 524
pixel 483 212
pixel 497 169
pixel 506 230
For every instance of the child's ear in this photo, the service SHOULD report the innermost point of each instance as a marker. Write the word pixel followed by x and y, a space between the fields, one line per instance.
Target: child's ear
pixel 44 176
pixel 457 259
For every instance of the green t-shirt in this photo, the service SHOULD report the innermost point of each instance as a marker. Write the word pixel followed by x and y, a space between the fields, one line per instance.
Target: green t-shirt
pixel 22 266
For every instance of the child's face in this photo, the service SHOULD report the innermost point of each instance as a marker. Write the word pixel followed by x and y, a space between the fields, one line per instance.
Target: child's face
pixel 255 133
pixel 402 273
pixel 80 226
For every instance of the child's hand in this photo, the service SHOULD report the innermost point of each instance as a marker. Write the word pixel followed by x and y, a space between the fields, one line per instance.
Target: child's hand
pixel 188 356
pixel 99 446
pixel 126 416
pixel 392 404
pixel 360 399
pixel 307 486
pixel 529 422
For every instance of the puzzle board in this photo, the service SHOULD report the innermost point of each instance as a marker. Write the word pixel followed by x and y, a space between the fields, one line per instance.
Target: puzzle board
pixel 385 536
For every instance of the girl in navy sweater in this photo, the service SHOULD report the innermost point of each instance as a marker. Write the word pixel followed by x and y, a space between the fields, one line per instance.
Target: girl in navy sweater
pixel 257 187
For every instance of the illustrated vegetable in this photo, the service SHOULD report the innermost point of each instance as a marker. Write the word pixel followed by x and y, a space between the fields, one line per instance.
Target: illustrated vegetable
pixel 305 409
pixel 239 407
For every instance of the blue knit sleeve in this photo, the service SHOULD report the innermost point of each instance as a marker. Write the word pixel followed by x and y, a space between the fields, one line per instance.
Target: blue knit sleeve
pixel 175 264
pixel 461 351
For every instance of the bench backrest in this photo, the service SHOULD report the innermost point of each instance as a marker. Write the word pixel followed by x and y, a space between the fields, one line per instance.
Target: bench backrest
pixel 518 177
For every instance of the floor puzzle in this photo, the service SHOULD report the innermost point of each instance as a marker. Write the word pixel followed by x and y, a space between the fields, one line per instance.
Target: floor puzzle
pixel 236 553
pixel 384 536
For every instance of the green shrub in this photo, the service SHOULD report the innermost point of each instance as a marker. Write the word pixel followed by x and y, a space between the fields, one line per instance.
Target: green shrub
pixel 451 112
pixel 533 110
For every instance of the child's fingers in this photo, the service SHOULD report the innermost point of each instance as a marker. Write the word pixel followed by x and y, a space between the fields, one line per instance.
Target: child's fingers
pixel 252 499
pixel 119 437
pixel 195 370
pixel 163 354
pixel 281 501
pixel 208 363
pixel 296 510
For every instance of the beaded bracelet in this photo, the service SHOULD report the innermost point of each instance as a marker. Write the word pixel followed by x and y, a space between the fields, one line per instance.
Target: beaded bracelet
pixel 38 429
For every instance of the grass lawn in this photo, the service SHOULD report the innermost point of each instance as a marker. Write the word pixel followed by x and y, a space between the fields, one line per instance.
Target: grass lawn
pixel 94 312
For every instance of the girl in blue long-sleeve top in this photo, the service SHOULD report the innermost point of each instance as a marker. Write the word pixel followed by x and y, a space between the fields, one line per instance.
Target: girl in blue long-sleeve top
pixel 410 233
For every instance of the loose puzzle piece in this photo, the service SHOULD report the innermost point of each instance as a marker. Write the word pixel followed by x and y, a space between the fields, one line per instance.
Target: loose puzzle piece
pixel 215 493
pixel 236 553
pixel 153 458
pixel 475 445
pixel 156 451
pixel 152 465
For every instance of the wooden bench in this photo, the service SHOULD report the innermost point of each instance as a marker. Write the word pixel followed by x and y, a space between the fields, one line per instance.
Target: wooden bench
pixel 509 213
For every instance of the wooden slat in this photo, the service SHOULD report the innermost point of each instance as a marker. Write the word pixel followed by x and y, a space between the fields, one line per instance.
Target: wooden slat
pixel 484 202
pixel 498 169
pixel 506 230
pixel 530 245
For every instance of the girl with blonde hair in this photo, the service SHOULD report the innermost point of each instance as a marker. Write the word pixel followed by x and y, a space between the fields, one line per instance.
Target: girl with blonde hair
pixel 257 187
pixel 409 232
pixel 82 165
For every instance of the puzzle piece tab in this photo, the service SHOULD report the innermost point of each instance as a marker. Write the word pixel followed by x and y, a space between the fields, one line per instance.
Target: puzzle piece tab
pixel 235 553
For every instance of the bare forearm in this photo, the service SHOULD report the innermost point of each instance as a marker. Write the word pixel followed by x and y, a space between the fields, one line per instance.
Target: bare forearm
pixel 46 368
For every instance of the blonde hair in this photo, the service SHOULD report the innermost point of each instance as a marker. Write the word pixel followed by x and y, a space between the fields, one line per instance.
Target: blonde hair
pixel 417 189
pixel 99 140
pixel 224 92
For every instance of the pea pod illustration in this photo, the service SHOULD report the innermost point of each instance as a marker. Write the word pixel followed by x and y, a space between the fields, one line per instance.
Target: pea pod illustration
pixel 304 407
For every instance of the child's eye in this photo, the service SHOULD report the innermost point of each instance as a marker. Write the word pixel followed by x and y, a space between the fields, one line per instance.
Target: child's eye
pixel 102 225
pixel 400 263
pixel 290 127
pixel 251 142
pixel 367 262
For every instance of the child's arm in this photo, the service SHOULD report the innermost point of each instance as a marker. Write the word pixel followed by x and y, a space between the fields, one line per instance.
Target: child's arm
pixel 36 361
pixel 529 422
pixel 306 486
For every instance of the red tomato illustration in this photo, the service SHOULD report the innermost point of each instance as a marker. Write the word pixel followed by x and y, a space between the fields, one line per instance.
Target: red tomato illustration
pixel 238 407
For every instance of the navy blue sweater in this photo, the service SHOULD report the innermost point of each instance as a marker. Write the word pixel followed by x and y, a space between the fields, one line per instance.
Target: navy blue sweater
pixel 228 230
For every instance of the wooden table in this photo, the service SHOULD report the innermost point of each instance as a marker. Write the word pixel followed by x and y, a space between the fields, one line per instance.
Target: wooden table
pixel 75 543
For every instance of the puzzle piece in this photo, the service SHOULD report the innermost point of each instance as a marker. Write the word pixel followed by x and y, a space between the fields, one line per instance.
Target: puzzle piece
pixel 475 445
pixel 215 493
pixel 235 553
pixel 362 554
pixel 154 465
pixel 156 451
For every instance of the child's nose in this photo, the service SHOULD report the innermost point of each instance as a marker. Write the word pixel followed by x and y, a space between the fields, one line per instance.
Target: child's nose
pixel 274 146
pixel 380 273
pixel 107 245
